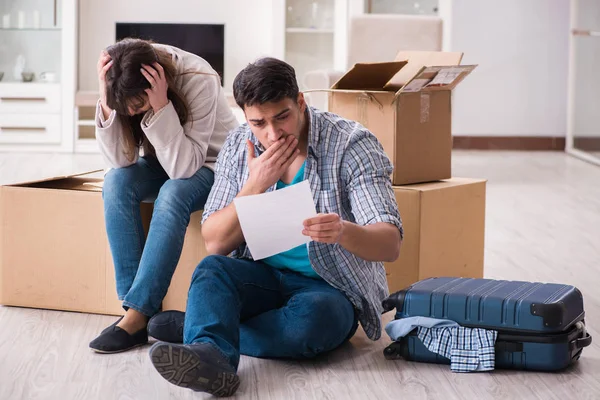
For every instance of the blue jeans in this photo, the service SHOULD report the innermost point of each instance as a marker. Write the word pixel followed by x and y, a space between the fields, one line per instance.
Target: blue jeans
pixel 248 307
pixel 144 266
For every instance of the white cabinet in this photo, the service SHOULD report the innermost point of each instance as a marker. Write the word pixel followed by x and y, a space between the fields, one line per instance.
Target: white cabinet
pixel 30 98
pixel 37 37
pixel 33 130
pixel 311 34
pixel 30 113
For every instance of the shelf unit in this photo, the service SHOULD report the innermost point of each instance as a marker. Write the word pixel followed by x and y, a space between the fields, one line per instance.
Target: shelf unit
pixel 85 125
pixel 311 34
pixel 412 7
pixel 49 29
pixel 38 116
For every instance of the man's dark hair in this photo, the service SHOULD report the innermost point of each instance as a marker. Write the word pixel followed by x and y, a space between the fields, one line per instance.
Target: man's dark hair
pixel 266 80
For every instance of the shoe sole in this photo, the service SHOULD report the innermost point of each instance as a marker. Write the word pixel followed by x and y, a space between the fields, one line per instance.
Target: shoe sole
pixel 184 368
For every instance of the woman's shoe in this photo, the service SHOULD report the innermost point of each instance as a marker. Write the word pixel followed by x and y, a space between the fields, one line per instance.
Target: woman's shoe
pixel 108 328
pixel 115 340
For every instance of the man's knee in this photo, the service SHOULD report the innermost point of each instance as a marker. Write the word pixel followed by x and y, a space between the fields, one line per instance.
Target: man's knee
pixel 211 266
pixel 324 324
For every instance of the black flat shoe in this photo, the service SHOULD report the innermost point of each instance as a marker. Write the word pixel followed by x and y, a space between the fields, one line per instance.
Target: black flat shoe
pixel 116 340
pixel 108 328
pixel 167 326
pixel 199 367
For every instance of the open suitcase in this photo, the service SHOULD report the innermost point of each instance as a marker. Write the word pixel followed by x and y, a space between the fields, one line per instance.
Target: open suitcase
pixel 540 326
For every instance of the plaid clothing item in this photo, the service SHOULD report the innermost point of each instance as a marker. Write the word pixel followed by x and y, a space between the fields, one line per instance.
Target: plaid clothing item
pixel 469 349
pixel 349 174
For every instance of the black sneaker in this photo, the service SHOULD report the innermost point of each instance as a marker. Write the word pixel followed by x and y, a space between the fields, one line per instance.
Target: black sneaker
pixel 115 340
pixel 199 367
pixel 167 326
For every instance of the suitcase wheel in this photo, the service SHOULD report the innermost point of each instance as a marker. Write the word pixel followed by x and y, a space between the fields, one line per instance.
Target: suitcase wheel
pixel 393 351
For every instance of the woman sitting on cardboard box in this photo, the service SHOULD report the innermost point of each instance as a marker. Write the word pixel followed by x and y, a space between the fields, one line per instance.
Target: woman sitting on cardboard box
pixel 169 103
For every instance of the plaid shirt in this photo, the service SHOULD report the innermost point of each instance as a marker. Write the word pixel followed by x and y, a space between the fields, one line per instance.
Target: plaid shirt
pixel 349 174
pixel 468 349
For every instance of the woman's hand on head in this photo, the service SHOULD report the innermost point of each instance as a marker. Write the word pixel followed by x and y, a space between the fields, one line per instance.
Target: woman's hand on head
pixel 104 64
pixel 157 93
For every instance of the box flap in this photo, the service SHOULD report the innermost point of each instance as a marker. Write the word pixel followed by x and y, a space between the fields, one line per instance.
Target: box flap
pixel 369 76
pixel 438 78
pixel 56 178
pixel 429 186
pixel 417 60
pixel 78 183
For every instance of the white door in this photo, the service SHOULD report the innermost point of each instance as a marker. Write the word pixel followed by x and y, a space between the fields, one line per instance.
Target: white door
pixel 583 130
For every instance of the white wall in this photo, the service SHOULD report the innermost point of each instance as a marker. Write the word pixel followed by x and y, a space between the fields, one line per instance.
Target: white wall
pixel 248 28
pixel 520 85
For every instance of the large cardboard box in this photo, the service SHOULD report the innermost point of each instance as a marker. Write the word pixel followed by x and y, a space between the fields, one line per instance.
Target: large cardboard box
pixel 407 105
pixel 444 224
pixel 54 252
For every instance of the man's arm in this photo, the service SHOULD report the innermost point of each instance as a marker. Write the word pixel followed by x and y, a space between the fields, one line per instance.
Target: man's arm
pixel 222 232
pixel 376 242
pixel 377 233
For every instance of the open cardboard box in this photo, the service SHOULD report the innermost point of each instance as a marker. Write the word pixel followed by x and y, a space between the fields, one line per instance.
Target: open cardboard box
pixel 54 251
pixel 406 104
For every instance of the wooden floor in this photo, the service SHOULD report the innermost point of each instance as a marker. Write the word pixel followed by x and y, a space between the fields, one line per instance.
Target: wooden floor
pixel 543 223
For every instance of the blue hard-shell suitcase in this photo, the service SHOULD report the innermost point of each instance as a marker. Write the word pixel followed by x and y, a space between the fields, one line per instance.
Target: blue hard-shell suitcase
pixel 540 325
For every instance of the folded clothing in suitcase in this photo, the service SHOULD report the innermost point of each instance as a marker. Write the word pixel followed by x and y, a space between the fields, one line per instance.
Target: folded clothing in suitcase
pixel 540 326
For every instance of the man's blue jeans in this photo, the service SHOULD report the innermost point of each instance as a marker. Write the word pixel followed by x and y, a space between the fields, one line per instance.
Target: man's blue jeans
pixel 248 307
pixel 144 266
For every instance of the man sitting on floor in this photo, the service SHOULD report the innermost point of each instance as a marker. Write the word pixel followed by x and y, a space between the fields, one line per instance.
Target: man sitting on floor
pixel 304 301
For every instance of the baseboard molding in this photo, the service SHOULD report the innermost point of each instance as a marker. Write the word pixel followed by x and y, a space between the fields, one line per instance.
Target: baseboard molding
pixel 587 143
pixel 527 143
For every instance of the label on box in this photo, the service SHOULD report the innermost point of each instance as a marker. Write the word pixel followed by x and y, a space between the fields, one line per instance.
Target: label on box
pixel 446 76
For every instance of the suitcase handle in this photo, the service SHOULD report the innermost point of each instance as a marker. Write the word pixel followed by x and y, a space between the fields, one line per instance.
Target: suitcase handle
pixel 581 342
pixel 395 300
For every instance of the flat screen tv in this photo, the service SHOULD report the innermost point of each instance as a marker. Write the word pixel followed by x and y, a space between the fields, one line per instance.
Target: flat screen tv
pixel 204 40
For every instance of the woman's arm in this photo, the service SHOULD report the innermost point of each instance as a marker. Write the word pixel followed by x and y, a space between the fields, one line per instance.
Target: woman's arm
pixel 109 135
pixel 182 150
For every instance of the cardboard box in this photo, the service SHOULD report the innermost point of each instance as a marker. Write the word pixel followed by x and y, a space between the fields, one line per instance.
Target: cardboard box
pixel 54 252
pixel 407 105
pixel 444 229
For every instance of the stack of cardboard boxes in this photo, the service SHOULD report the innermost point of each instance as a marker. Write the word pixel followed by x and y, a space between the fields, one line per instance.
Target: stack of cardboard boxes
pixel 407 105
pixel 54 251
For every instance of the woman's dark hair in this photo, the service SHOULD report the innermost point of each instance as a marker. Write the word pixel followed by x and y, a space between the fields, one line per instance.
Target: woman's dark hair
pixel 125 86
pixel 266 80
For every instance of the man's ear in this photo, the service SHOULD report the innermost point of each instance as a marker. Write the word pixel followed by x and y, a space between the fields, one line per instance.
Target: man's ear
pixel 301 102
